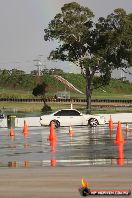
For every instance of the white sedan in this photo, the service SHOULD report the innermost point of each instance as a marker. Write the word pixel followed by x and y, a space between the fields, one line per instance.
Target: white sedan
pixel 71 117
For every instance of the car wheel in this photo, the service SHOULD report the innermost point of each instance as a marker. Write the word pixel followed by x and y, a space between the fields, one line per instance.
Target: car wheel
pixel 56 123
pixel 93 122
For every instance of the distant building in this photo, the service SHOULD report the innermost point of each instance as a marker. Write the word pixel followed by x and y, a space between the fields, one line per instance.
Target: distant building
pixel 63 94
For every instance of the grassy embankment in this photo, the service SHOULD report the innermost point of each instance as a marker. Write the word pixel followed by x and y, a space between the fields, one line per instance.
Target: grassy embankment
pixel 117 89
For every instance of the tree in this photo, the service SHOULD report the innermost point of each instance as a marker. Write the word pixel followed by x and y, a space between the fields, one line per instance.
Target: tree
pixel 17 72
pixel 40 90
pixel 93 46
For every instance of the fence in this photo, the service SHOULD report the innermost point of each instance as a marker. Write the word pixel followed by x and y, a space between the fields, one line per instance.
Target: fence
pixel 128 101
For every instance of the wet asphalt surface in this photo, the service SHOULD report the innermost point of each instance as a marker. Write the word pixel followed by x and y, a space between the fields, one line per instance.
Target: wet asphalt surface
pixel 86 147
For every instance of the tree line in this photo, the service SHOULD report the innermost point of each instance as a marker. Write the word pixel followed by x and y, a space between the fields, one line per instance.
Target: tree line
pixel 21 80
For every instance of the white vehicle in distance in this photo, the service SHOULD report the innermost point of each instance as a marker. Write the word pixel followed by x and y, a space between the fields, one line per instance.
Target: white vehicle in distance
pixel 71 117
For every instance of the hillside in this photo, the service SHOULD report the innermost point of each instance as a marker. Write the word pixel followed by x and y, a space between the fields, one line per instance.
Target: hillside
pixel 115 89
pixel 67 83
pixel 21 86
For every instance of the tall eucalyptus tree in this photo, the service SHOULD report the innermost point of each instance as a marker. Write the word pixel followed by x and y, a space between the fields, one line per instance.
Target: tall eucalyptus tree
pixel 100 46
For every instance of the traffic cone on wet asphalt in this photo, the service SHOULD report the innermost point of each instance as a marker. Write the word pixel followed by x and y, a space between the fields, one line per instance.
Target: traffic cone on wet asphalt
pixel 120 160
pixel 25 129
pixel 119 135
pixel 52 146
pixel 12 164
pixel 25 135
pixel 26 163
pixel 53 162
pixel 52 136
pixel 71 132
pixel 12 133
pixel 111 123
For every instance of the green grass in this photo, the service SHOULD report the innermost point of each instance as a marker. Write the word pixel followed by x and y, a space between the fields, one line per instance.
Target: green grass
pixel 17 93
pixel 35 108
pixel 22 86
pixel 77 80
pixel 117 89
pixel 20 107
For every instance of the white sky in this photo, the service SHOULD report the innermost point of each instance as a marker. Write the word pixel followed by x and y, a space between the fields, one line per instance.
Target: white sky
pixel 21 29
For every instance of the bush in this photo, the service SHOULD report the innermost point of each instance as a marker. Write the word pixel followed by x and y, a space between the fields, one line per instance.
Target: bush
pixel 46 108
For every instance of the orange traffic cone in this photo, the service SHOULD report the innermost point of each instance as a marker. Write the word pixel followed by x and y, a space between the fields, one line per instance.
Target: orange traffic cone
pixel 12 164
pixel 120 160
pixel 25 135
pixel 111 133
pixel 25 129
pixel 52 146
pixel 119 135
pixel 71 132
pixel 127 128
pixel 110 123
pixel 52 135
pixel 53 162
pixel 12 134
pixel 26 163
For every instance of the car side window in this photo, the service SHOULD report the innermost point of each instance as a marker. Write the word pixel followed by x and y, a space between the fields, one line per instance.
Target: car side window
pixel 64 113
pixel 74 113
pixel 58 113
pixel 70 113
pixel 67 113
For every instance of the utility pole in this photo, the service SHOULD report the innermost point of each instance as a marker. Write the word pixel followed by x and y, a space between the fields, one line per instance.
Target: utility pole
pixel 38 64
pixel 122 74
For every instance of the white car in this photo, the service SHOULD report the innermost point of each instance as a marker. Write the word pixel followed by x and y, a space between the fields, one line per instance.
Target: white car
pixel 71 117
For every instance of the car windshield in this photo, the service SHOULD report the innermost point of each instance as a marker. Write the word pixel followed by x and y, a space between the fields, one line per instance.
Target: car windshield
pixel 67 113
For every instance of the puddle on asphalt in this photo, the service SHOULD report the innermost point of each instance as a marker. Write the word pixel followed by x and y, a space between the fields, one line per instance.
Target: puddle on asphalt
pixel 86 147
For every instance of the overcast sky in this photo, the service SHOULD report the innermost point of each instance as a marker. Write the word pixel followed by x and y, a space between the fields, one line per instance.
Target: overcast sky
pixel 21 29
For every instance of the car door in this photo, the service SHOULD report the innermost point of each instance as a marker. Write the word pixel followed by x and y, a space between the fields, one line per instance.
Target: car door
pixel 63 117
pixel 69 117
pixel 76 117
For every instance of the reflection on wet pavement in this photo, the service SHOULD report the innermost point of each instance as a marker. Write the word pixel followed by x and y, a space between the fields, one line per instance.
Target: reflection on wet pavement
pixel 85 147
